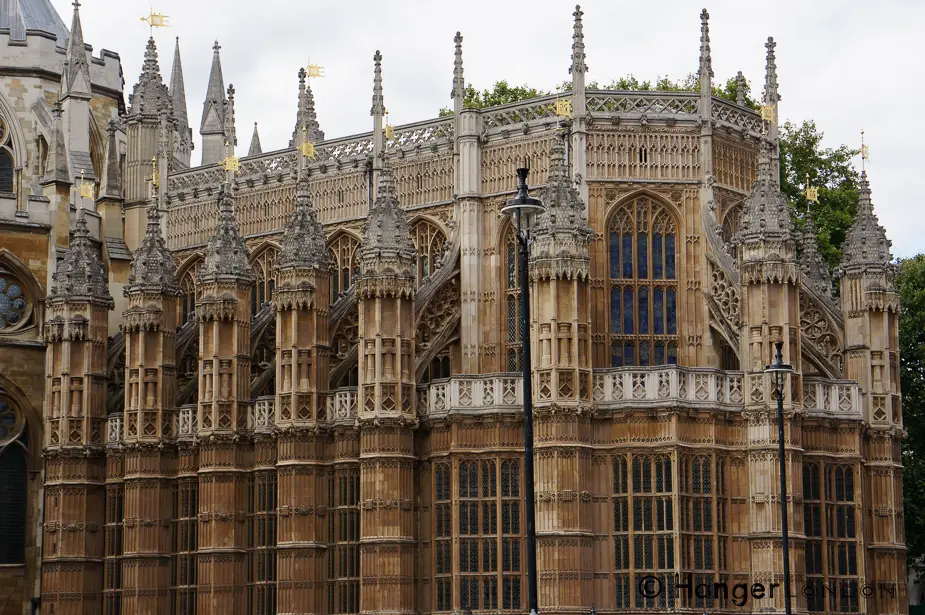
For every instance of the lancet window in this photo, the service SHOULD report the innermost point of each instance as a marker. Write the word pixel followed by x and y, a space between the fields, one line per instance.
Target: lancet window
pixel 643 529
pixel 643 284
pixel 443 538
pixel 186 511
pixel 511 305
pixel 261 588
pixel 430 244
pixel 187 302
pixel 698 525
pixel 264 266
pixel 7 166
pixel 13 485
pixel 731 222
pixel 490 535
pixel 343 251
pixel 344 537
pixel 112 572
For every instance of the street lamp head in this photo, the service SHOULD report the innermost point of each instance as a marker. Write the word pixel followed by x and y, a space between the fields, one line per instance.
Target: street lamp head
pixel 523 208
pixel 778 366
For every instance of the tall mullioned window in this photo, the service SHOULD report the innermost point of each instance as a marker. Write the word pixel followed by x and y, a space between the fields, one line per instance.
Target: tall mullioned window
pixel 344 536
pixel 643 268
pixel 186 542
pixel 698 525
pixel 112 588
pixel 261 590
pixel 643 530
pixel 443 538
pixel 490 535
pixel 7 166
pixel 812 526
pixel 343 252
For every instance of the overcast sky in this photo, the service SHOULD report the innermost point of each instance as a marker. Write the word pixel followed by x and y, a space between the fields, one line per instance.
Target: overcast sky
pixel 847 65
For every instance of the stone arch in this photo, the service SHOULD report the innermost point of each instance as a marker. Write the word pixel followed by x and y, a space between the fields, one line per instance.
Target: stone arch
pixel 186 278
pixel 263 260
pixel 34 425
pixel 431 242
pixel 8 114
pixel 670 207
pixel 343 245
pixel 32 292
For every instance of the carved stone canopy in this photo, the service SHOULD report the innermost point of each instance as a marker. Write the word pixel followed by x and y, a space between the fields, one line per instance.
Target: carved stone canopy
pixel 152 266
pixel 150 96
pixel 766 215
pixel 866 244
pixel 226 254
pixel 387 249
pixel 303 245
pixel 80 276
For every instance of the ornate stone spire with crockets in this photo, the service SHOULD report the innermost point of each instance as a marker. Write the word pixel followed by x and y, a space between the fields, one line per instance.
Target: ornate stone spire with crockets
pixel 578 45
pixel 152 266
pixel 75 80
pixel 302 244
pixel 561 235
pixel 459 82
pixel 766 216
pixel 80 276
pixel 740 89
pixel 306 117
pixel 866 245
pixel 705 72
pixel 226 254
pixel 150 96
pixel 212 125
pixel 815 269
pixel 387 250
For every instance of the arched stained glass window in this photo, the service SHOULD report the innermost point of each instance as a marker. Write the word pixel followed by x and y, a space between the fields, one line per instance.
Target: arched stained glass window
pixel 7 167
pixel 343 251
pixel 643 263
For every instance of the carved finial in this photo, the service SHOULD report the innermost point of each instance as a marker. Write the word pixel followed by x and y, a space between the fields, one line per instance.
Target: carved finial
pixel 740 89
pixel 306 124
pixel 706 63
pixel 303 245
pixel 387 248
pixel 226 254
pixel 578 45
pixel 152 264
pixel 866 244
pixel 459 84
pixel 378 107
pixel 230 132
pixel 80 277
pixel 771 95
pixel 150 96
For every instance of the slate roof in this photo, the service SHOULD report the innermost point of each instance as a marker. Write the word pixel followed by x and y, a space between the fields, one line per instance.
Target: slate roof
pixel 21 15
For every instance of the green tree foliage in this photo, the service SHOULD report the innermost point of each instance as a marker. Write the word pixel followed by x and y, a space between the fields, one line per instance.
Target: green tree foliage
pixel 500 94
pixel 828 169
pixel 911 284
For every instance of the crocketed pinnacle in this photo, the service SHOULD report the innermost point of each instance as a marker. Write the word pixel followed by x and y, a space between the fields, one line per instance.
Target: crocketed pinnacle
pixel 740 89
pixel 378 107
pixel 561 234
pixel 150 96
pixel 226 254
pixel 75 79
pixel 306 116
pixel 111 186
pixel 178 92
pixel 706 62
pixel 303 245
pixel 255 147
pixel 386 249
pixel 866 245
pixel 459 83
pixel 813 265
pixel 578 45
pixel 56 168
pixel 766 216
pixel 213 108
pixel 770 76
pixel 152 265
pixel 80 277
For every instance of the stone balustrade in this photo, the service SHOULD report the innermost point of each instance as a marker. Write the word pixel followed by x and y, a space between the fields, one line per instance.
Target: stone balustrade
pixel 114 429
pixel 479 393
pixel 837 398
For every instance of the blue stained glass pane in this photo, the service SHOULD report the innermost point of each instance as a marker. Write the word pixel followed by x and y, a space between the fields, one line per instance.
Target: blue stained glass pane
pixel 669 257
pixel 629 353
pixel 616 356
pixel 614 255
pixel 643 310
pixel 659 353
pixel 642 253
pixel 657 257
pixel 628 310
pixel 627 256
pixel 658 309
pixel 672 354
pixel 644 353
pixel 615 309
pixel 672 310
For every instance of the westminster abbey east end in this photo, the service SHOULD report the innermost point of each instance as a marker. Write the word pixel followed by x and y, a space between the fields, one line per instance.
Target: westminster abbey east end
pixel 289 383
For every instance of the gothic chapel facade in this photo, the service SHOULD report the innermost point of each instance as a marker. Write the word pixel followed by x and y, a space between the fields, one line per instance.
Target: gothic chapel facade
pixel 291 384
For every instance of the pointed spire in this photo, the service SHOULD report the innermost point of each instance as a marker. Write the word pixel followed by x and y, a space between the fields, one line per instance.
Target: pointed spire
pixel 866 245
pixel 772 97
pixel 303 245
pixel 562 236
pixel 766 214
pixel 178 92
pixel 75 80
pixel 387 248
pixel 578 45
pixel 814 267
pixel 306 116
pixel 706 63
pixel 226 254
pixel 740 89
pixel 255 148
pixel 80 276
pixel 459 83
pixel 150 96
pixel 153 269
pixel 111 186
pixel 215 96
pixel 378 107
pixel 56 166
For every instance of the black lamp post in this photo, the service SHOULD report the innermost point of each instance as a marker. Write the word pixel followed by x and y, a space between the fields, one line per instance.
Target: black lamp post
pixel 524 210
pixel 778 368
